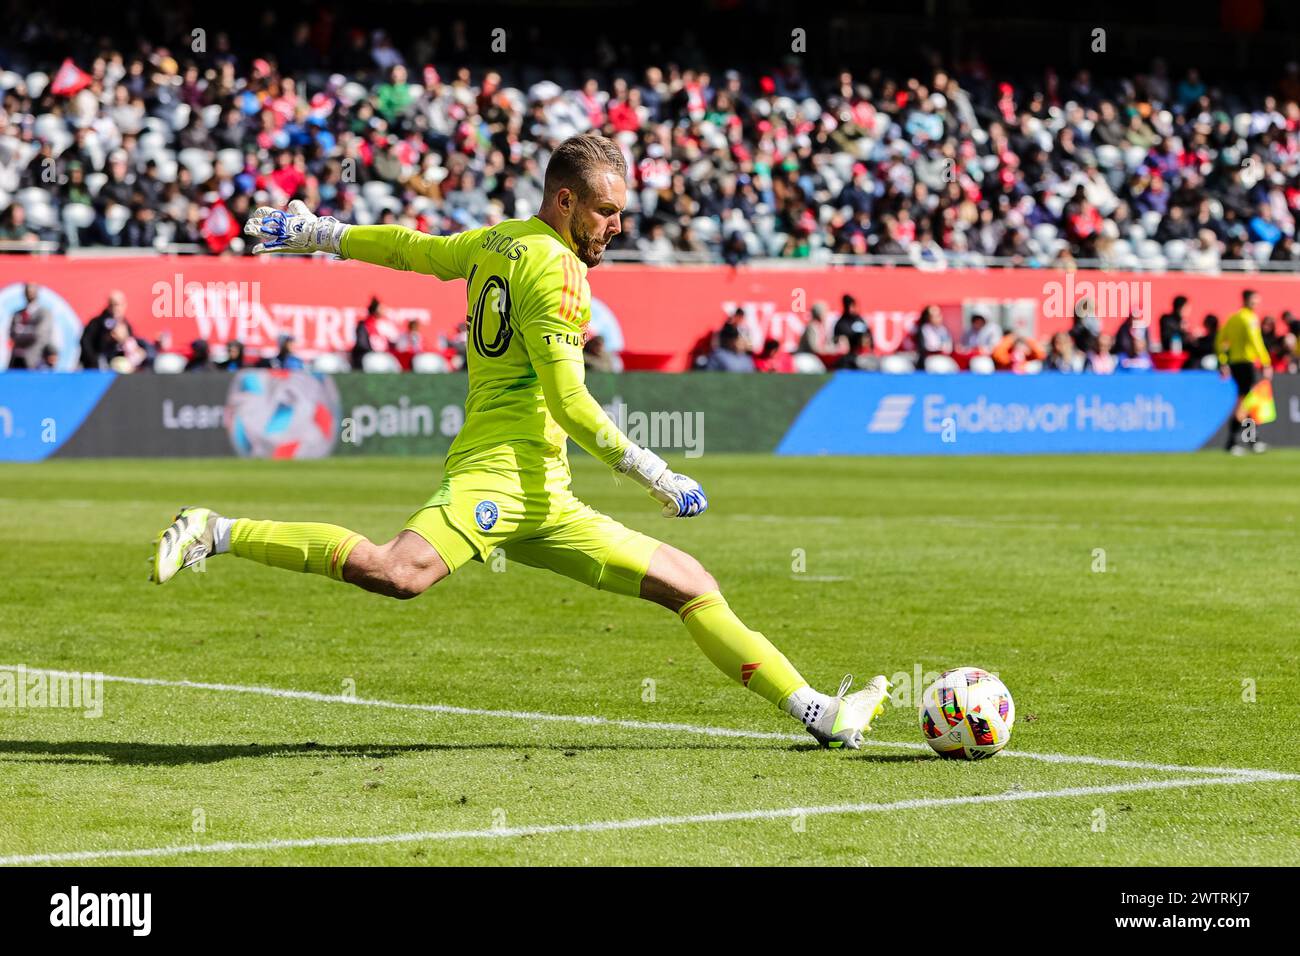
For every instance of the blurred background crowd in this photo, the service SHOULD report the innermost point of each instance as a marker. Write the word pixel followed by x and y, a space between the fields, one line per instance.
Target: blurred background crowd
pixel 167 140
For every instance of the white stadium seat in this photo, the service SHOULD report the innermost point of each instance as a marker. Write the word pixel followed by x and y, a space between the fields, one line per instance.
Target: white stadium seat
pixel 807 364
pixel 330 363
pixel 169 363
pixel 78 215
pixel 429 363
pixel 896 365
pixel 380 362
pixel 982 365
pixel 941 364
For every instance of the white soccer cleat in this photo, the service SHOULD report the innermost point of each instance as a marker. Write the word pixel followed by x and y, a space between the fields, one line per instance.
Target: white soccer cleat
pixel 187 541
pixel 844 721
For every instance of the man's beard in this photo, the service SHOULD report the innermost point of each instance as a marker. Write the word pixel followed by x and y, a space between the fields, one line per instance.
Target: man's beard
pixel 590 250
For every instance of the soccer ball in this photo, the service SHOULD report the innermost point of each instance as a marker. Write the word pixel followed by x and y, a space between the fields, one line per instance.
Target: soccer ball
pixel 967 713
pixel 273 413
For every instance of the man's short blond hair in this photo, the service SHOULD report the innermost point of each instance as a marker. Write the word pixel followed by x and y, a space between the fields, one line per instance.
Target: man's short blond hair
pixel 577 161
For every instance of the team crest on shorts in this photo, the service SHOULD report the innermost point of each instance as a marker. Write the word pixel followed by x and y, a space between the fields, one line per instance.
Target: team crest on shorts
pixel 485 513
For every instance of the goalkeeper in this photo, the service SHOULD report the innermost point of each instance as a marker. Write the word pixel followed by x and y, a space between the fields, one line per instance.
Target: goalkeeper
pixel 506 483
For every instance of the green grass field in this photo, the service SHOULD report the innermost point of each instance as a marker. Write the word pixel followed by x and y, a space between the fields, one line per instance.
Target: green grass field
pixel 1183 652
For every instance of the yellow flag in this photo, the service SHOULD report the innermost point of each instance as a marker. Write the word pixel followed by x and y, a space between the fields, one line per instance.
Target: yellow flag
pixel 1258 404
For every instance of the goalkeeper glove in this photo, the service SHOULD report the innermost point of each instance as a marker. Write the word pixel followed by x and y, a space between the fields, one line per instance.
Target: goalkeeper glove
pixel 294 230
pixel 681 497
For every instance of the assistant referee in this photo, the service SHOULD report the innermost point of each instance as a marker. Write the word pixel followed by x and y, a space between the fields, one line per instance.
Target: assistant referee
pixel 1241 353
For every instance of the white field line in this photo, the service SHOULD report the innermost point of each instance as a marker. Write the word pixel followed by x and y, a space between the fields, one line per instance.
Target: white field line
pixel 592 721
pixel 602 826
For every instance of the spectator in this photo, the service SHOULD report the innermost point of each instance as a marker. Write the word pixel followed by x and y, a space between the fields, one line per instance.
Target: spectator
pixel 234 357
pixel 31 329
pixel 125 353
pixel 1173 327
pixel 654 245
pixel 932 336
pixel 368 337
pixel 852 336
pixel 1101 358
pixel 98 347
pixel 1130 332
pixel 1085 328
pixel 812 340
pixel 982 337
pixel 284 358
pixel 1139 360
pixel 1015 352
pixel 200 357
pixel 596 358
pixel 730 355
pixel 49 359
pixel 409 344
pixel 1062 355
pixel 773 358
pixel 1203 345
pixel 13 225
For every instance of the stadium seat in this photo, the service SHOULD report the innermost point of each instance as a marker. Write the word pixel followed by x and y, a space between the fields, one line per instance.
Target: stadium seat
pixel 230 162
pixel 169 363
pixel 1210 363
pixel 382 363
pixel 330 363
pixel 807 364
pixel 376 191
pixel 47 125
pixel 211 115
pixel 95 182
pixel 429 363
pixel 1033 367
pixel 36 84
pixel 1175 250
pixel 896 365
pixel 941 365
pixel 1109 157
pixel 982 365
pixel 115 217
pixel 78 215
pixel 178 116
pixel 167 168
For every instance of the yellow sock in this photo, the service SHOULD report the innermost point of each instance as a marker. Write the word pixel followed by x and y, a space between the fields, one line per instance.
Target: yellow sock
pixel 743 655
pixel 294 545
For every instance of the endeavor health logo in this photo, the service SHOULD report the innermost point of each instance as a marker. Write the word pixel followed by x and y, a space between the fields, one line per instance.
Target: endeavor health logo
pixel 863 414
pixel 891 414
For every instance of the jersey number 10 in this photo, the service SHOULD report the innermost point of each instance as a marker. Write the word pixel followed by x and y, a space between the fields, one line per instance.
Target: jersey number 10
pixel 493 297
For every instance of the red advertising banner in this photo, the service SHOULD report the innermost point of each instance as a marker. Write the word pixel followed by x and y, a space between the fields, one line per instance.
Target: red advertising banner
pixel 652 314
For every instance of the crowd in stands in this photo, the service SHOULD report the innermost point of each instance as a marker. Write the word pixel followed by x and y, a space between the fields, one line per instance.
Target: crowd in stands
pixel 829 341
pixel 146 145
pixel 845 341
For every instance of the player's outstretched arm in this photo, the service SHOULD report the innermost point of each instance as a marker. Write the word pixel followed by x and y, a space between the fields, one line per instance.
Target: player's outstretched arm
pixel 296 230
pixel 582 418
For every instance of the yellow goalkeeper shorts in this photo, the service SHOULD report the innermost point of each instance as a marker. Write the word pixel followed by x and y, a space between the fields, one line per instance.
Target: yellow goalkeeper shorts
pixel 524 506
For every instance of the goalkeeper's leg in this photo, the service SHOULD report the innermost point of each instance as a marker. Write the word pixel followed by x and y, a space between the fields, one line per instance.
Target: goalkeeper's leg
pixel 680 583
pixel 404 567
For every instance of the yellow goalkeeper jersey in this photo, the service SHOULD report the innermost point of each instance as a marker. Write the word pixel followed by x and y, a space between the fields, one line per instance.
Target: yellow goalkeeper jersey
pixel 527 300
pixel 1239 340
